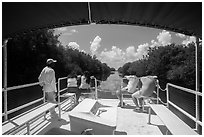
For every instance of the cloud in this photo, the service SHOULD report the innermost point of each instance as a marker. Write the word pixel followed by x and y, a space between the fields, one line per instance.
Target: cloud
pixel 130 54
pixel 116 57
pixel 155 44
pixel 164 38
pixel 62 29
pixel 95 44
pixel 65 32
pixel 73 31
pixel 73 45
pixel 189 39
pixel 113 57
pixel 180 35
pixel 142 50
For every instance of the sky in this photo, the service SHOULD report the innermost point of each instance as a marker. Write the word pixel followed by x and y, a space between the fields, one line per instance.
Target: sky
pixel 117 44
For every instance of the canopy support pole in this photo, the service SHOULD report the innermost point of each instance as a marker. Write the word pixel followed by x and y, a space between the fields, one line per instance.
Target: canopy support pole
pixel 5 78
pixel 89 9
pixel 197 83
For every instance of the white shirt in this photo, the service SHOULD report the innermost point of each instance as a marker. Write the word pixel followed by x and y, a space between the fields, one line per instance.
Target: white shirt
pixel 71 82
pixel 84 85
pixel 47 77
pixel 132 83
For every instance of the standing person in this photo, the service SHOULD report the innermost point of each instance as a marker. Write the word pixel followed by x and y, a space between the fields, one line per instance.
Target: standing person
pixel 48 82
pixel 130 88
pixel 72 86
pixel 147 86
pixel 85 82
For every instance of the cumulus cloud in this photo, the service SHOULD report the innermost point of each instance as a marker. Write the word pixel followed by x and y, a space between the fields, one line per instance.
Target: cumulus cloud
pixel 66 34
pixel 73 45
pixel 95 44
pixel 130 54
pixel 142 50
pixel 164 38
pixel 180 35
pixel 189 39
pixel 113 57
pixel 73 31
pixel 155 44
pixel 116 57
pixel 62 29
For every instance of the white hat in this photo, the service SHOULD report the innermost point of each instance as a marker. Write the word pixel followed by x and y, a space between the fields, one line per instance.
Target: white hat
pixel 50 61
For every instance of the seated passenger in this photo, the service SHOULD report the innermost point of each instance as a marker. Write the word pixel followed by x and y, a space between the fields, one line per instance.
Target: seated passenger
pixel 72 85
pixel 130 88
pixel 146 86
pixel 85 83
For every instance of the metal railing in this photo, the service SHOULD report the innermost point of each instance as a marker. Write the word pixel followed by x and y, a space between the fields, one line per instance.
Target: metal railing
pixel 195 119
pixel 168 102
pixel 61 90
pixel 196 93
pixel 9 89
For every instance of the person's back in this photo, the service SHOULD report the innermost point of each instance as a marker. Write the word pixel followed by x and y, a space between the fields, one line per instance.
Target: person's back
pixel 84 84
pixel 148 85
pixel 132 83
pixel 72 82
pixel 72 85
pixel 47 77
pixel 48 82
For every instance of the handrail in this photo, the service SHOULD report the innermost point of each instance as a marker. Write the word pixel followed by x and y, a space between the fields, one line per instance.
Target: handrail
pixel 185 89
pixel 196 118
pixel 23 86
pixel 96 90
pixel 60 90
pixel 6 112
pixel 25 105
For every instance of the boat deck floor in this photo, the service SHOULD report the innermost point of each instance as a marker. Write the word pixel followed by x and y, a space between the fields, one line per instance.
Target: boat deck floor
pixel 129 122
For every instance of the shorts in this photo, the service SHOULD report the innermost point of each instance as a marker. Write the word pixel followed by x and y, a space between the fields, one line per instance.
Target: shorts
pixel 72 90
pixel 137 94
pixel 84 90
pixel 50 97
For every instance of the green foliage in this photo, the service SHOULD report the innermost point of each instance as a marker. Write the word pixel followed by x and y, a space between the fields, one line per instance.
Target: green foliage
pixel 172 63
pixel 27 55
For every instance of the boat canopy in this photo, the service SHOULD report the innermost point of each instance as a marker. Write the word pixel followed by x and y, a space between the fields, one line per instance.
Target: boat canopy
pixel 22 17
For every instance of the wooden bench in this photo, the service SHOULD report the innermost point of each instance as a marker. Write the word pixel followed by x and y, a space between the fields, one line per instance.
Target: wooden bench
pixel 13 125
pixel 174 124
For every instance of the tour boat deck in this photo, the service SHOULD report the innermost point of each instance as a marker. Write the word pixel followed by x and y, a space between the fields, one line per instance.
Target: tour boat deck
pixel 129 122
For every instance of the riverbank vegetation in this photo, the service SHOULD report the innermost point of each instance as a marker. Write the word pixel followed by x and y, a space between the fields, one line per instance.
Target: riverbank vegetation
pixel 27 55
pixel 173 63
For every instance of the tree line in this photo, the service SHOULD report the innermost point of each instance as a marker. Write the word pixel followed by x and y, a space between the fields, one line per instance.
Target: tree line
pixel 172 64
pixel 27 55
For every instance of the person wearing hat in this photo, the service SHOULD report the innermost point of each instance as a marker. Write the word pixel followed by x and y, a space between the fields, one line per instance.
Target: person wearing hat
pixel 47 81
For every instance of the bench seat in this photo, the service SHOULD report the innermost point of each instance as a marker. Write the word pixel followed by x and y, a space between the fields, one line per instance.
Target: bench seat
pixel 174 124
pixel 13 124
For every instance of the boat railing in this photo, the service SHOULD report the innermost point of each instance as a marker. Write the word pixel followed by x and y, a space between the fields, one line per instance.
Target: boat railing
pixel 10 89
pixel 63 87
pixel 197 94
pixel 168 102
